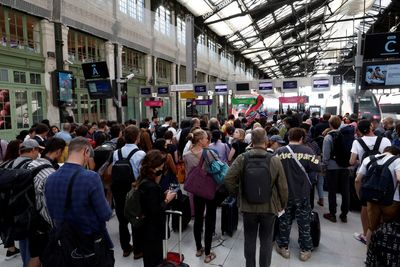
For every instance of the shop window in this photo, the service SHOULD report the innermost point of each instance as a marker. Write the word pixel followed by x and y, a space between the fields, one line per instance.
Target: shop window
pixel 132 61
pixel 3 28
pixel 5 115
pixel 37 107
pixel 19 77
pixel 3 75
pixel 103 108
pixel 84 105
pixel 163 69
pixel 133 8
pixel 33 30
pixel 83 47
pixel 35 78
pixel 82 83
pixel 71 46
pixel 21 104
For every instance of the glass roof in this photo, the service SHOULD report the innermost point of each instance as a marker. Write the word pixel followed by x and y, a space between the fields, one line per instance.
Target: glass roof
pixel 286 38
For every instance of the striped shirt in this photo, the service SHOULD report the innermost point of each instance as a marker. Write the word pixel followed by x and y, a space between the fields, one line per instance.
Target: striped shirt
pixel 39 182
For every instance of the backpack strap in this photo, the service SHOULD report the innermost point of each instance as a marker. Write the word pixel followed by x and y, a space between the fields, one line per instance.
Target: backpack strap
pixel 363 145
pixel 67 204
pixel 119 154
pixel 378 143
pixel 298 163
pixel 372 160
pixel 22 163
pixel 390 161
pixel 35 171
pixel 130 155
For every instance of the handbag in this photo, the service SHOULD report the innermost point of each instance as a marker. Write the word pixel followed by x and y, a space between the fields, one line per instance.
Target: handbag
pixel 200 183
pixel 216 168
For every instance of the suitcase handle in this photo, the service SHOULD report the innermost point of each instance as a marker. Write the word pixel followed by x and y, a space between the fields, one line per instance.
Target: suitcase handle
pixel 169 213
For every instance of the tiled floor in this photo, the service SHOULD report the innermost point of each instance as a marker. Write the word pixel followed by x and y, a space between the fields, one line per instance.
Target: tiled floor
pixel 337 247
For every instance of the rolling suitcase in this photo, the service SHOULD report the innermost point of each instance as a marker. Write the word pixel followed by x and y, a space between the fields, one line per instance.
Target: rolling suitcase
pixel 229 216
pixel 181 204
pixel 315 229
pixel 173 259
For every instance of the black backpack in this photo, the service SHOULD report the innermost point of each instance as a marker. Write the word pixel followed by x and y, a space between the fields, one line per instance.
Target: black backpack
pixel 17 202
pixel 161 131
pixel 257 181
pixel 122 171
pixel 368 152
pixel 103 156
pixel 342 142
pixel 377 184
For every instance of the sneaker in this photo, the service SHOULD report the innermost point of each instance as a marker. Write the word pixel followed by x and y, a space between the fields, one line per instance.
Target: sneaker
pixel 127 252
pixel 284 252
pixel 360 237
pixel 330 217
pixel 138 255
pixel 305 255
pixel 321 202
pixel 12 254
pixel 343 218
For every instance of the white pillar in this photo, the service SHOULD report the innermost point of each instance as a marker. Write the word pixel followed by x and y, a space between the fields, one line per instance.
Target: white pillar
pixel 48 43
pixel 110 57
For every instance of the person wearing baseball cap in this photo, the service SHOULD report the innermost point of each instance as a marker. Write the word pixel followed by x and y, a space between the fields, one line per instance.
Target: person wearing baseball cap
pixel 275 142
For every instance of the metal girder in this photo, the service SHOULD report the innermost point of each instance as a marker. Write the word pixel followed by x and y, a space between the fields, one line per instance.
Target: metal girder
pixel 217 9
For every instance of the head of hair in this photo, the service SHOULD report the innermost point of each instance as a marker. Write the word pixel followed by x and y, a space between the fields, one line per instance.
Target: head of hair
pixel 296 134
pixel 77 144
pixel 213 124
pixel 185 123
pixel 152 160
pixel 53 145
pixel 131 134
pixel 230 130
pixel 22 134
pixel 237 123
pixel 46 121
pixel 168 135
pixel 196 135
pixel 335 122
pixel 144 124
pixel 392 150
pixel 115 130
pixel 102 124
pixel 67 127
pixel 242 133
pixel 273 131
pixel 160 144
pixel 81 131
pixel 291 122
pixel 305 126
pixel 258 136
pixel 215 136
pixel 364 126
pixel 168 119
pixel 256 125
pixel 194 121
pixel 231 117
pixel 12 151
pixel 69 119
pixel 154 117
pixel 326 116
pixel 41 128
pixel 203 124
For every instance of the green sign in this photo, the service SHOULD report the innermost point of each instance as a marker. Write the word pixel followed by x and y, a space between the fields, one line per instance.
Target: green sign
pixel 246 101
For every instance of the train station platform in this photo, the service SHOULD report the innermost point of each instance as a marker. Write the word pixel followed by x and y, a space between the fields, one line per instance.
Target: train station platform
pixel 337 246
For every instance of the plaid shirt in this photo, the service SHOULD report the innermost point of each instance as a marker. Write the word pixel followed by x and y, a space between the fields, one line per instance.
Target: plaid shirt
pixel 89 209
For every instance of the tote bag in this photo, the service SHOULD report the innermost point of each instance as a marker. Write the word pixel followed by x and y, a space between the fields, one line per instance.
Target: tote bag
pixel 200 183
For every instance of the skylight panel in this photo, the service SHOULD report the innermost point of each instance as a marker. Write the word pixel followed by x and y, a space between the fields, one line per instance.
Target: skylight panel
pixel 267 20
pixel 283 12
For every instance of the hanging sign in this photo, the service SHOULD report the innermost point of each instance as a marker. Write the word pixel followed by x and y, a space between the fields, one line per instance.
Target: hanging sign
pixel 246 101
pixel 293 99
pixel 153 103
pixel 202 102
pixel 187 95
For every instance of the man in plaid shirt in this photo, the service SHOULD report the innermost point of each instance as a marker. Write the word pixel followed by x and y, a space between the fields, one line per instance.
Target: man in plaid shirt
pixel 89 208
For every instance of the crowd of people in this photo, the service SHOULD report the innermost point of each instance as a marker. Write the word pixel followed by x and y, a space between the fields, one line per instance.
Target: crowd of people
pixel 274 168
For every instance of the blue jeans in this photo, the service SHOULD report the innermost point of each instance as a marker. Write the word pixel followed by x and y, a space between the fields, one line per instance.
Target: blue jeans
pixel 24 248
pixel 320 186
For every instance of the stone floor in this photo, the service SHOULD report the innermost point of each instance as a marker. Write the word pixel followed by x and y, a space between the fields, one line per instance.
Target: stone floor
pixel 337 247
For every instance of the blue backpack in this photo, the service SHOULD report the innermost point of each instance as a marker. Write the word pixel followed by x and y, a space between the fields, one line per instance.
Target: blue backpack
pixel 377 184
pixel 216 167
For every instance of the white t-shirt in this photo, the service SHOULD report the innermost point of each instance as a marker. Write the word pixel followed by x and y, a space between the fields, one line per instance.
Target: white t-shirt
pixel 170 128
pixel 370 142
pixel 393 167
pixel 247 138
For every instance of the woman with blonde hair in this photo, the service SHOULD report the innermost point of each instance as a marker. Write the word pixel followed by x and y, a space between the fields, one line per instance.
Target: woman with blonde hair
pixel 191 158
pixel 238 145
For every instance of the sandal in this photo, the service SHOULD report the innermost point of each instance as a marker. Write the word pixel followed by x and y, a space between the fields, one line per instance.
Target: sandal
pixel 210 257
pixel 200 252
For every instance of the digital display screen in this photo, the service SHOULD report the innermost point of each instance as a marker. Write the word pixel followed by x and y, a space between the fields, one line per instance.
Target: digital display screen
pixel 164 90
pixel 145 90
pixel 221 89
pixel 65 86
pixel 321 83
pixel 265 86
pixel 381 75
pixel 95 70
pixel 242 87
pixel 200 88
pixel 99 89
pixel 289 85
